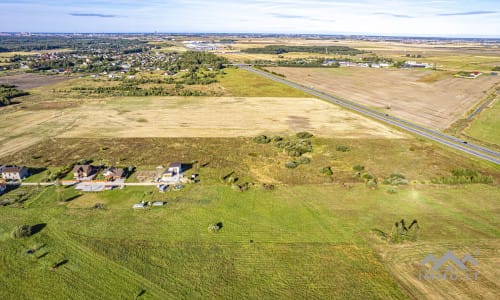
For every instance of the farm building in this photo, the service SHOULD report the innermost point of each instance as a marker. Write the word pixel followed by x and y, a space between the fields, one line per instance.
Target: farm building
pixel 173 173
pixel 14 172
pixel 84 171
pixel 113 173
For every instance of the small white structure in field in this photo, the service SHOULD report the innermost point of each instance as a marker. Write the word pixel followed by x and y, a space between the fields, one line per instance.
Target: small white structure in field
pixel 139 205
pixel 158 203
pixel 173 173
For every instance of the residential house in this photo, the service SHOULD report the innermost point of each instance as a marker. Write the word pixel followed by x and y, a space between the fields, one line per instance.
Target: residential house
pixel 14 172
pixel 84 171
pixel 113 173
pixel 173 173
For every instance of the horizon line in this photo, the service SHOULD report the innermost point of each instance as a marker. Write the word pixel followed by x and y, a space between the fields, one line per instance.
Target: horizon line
pixel 401 35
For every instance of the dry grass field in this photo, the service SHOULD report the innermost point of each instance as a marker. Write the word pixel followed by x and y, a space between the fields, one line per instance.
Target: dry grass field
pixel 183 117
pixel 415 95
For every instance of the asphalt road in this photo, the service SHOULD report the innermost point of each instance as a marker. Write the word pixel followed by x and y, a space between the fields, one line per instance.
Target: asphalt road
pixel 450 141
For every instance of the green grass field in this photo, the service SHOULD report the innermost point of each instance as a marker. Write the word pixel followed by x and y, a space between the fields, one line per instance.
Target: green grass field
pixel 486 126
pixel 293 242
pixel 310 237
pixel 241 83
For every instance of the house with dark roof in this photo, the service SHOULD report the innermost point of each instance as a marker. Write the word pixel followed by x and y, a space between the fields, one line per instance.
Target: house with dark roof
pixel 14 172
pixel 84 171
pixel 113 173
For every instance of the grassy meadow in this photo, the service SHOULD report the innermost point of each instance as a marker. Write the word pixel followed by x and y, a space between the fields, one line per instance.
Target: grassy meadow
pixel 309 237
pixel 308 241
pixel 486 126
pixel 241 83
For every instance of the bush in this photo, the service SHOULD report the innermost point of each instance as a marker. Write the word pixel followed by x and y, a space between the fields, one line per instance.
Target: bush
pixel 298 148
pixel 21 231
pixel 396 179
pixel 327 170
pixel 358 168
pixel 277 138
pixel 371 184
pixel 304 160
pixel 342 148
pixel 261 139
pixel 304 135
pixel 392 190
pixel 291 164
pixel 463 176
pixel 368 176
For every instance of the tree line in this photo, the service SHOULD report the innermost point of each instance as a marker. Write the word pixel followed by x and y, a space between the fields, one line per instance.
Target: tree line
pixel 281 49
pixel 8 92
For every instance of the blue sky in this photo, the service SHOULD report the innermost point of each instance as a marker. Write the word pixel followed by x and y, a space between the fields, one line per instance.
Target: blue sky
pixel 426 17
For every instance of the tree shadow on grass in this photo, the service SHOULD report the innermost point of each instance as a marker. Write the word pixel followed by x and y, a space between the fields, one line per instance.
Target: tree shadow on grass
pixel 59 264
pixel 34 171
pixel 37 228
pixel 72 198
pixel 142 292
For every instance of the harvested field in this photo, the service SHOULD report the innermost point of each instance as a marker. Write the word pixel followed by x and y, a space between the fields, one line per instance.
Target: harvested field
pixel 408 94
pixel 185 117
pixel 26 81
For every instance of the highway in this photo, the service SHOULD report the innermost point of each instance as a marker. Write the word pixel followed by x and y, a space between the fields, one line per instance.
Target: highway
pixel 444 139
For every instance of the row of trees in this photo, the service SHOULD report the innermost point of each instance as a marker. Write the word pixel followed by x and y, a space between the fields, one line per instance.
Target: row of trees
pixel 33 43
pixel 8 92
pixel 280 49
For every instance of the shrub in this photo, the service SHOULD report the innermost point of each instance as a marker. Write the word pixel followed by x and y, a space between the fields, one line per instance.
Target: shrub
pixel 368 176
pixel 327 170
pixel 371 184
pixel 293 152
pixel 304 160
pixel 298 148
pixel 291 164
pixel 304 135
pixel 463 176
pixel 277 138
pixel 342 148
pixel 261 139
pixel 21 231
pixel 281 144
pixel 396 179
pixel 392 190
pixel 358 168
pixel 268 187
